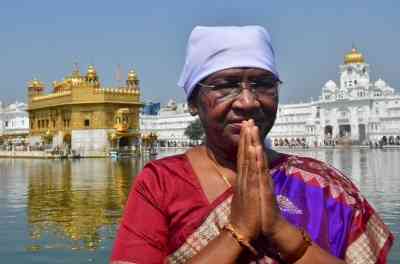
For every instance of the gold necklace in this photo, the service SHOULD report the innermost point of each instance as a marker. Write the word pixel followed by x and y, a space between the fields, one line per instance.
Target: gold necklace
pixel 218 170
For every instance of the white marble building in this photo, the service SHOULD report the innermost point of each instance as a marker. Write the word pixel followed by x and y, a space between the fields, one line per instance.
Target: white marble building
pixel 14 122
pixel 357 111
pixel 169 125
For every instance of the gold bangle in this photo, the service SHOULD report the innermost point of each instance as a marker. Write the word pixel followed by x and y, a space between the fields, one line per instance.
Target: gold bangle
pixel 301 250
pixel 240 239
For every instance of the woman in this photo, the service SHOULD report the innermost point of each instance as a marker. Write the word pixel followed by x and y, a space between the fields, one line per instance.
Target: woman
pixel 233 200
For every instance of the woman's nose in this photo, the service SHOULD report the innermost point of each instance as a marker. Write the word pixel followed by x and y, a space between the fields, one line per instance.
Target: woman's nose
pixel 246 99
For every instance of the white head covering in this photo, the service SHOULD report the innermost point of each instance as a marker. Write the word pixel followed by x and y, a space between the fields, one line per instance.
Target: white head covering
pixel 211 49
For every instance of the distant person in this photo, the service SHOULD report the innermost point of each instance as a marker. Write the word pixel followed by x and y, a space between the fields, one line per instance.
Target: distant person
pixel 232 200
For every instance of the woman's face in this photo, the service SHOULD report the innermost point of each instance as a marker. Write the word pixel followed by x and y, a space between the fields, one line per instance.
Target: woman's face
pixel 221 109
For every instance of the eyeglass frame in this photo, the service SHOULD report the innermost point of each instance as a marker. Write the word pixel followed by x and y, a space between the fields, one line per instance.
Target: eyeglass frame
pixel 243 85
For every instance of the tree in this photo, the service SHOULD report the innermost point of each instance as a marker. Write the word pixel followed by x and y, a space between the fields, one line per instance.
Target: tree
pixel 195 131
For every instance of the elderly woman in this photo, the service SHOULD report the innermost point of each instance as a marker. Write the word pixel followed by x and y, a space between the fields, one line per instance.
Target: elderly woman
pixel 232 200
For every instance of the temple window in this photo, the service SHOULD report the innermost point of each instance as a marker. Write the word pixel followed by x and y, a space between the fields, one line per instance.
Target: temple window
pixel 87 123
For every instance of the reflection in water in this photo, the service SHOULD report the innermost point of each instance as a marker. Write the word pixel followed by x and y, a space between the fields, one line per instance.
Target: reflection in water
pixel 62 211
pixel 77 202
pixel 377 175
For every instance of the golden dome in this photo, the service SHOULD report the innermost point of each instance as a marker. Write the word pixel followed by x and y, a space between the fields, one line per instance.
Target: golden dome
pixel 35 83
pixel 91 70
pixel 76 78
pixel 56 84
pixel 76 74
pixel 132 76
pixel 91 74
pixel 353 57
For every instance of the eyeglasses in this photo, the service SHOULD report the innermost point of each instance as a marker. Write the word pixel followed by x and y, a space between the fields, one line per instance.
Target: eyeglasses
pixel 226 89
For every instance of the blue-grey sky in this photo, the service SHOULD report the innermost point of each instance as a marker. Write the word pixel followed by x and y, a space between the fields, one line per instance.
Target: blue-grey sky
pixel 44 38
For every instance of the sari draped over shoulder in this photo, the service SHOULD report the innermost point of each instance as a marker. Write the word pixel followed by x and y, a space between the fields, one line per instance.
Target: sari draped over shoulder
pixel 168 218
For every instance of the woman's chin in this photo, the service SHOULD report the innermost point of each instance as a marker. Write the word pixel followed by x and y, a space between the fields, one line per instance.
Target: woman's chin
pixel 228 138
pixel 235 138
pixel 230 142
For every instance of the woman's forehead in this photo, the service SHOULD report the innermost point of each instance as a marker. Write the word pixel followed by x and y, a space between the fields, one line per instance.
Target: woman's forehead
pixel 238 72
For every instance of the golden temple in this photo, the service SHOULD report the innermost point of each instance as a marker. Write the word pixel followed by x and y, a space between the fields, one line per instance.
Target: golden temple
pixel 79 114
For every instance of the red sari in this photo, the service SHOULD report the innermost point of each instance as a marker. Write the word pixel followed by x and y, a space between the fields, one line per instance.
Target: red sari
pixel 168 218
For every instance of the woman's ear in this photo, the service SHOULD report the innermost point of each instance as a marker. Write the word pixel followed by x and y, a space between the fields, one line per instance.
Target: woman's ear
pixel 193 102
pixel 192 110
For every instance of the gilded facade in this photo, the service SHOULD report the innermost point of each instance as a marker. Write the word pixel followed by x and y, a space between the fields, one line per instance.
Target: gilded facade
pixel 81 115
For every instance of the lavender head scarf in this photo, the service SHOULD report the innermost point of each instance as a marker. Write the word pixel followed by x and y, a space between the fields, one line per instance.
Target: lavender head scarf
pixel 211 49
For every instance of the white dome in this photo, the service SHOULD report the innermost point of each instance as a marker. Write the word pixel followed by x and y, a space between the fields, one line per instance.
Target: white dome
pixel 330 85
pixel 364 82
pixel 380 83
pixel 12 106
pixel 389 89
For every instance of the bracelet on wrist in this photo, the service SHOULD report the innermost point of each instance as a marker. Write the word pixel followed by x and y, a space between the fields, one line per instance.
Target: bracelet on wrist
pixel 240 239
pixel 300 250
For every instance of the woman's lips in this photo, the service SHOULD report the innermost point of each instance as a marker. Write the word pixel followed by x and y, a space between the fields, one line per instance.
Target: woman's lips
pixel 236 127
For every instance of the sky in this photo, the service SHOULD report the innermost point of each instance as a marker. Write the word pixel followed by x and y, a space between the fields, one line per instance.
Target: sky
pixel 44 39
